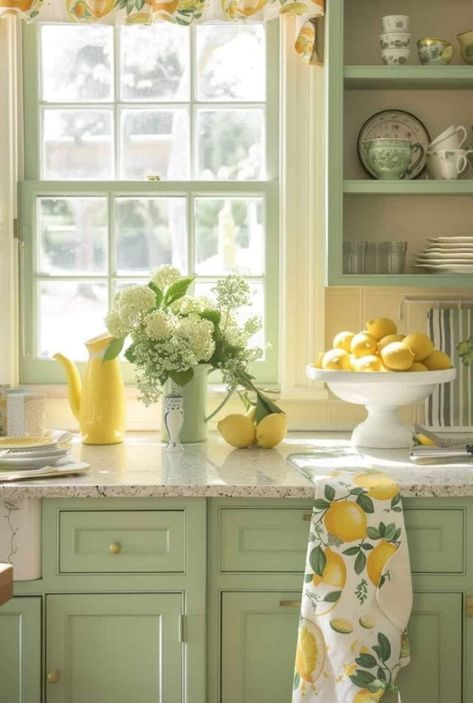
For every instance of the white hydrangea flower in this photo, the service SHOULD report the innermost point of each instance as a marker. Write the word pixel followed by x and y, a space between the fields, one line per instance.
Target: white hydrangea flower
pixel 164 276
pixel 134 302
pixel 196 334
pixel 115 326
pixel 157 325
pixel 187 305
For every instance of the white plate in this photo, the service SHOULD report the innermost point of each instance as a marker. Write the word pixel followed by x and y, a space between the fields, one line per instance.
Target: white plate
pixel 75 468
pixel 468 260
pixel 451 268
pixel 450 251
pixel 49 453
pixel 50 440
pixel 448 240
pixel 36 462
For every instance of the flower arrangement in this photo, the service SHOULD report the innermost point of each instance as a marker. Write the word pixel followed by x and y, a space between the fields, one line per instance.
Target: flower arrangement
pixel 170 332
pixel 465 351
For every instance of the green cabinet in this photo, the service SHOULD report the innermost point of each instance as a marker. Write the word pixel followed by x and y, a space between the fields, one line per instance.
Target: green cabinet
pixel 20 651
pixel 114 648
pixel 259 632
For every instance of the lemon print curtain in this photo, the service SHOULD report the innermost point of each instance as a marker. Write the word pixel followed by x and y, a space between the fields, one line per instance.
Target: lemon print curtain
pixel 182 12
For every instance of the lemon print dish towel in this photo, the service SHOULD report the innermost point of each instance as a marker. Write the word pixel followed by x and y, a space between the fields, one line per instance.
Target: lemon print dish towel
pixel 357 592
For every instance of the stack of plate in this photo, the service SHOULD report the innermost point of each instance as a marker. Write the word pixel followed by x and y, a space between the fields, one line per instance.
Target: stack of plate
pixel 20 453
pixel 447 255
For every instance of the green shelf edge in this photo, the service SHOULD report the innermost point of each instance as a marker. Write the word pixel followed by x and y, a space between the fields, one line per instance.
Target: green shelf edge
pixel 400 77
pixel 409 187
pixel 407 280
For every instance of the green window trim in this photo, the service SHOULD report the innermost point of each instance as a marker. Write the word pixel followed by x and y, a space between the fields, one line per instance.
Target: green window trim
pixel 37 370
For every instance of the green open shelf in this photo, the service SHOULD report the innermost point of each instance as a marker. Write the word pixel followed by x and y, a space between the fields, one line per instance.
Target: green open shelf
pixel 408 187
pixel 408 77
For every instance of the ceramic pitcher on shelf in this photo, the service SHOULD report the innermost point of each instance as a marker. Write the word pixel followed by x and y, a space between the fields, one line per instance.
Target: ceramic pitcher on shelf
pixel 98 403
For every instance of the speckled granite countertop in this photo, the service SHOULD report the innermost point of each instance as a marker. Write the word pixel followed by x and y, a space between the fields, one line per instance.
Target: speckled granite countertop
pixel 140 467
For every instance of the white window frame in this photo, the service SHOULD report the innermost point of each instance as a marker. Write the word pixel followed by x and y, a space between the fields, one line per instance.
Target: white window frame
pixel 302 217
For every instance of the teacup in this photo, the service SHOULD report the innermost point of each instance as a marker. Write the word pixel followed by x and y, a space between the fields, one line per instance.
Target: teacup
pixel 390 159
pixel 466 46
pixel 395 48
pixel 451 138
pixel 435 51
pixel 447 164
pixel 395 23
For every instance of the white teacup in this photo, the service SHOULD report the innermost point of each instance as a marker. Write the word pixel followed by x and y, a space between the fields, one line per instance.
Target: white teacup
pixel 451 138
pixel 395 23
pixel 447 164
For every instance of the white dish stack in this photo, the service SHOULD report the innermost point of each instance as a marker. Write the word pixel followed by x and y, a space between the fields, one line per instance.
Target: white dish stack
pixel 395 41
pixel 447 255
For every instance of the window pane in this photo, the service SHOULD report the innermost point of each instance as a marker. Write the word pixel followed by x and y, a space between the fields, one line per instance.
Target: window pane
pixel 69 314
pixel 229 236
pixel 72 235
pixel 231 62
pixel 76 63
pixel 155 62
pixel 155 143
pixel 150 232
pixel 256 309
pixel 230 144
pixel 77 144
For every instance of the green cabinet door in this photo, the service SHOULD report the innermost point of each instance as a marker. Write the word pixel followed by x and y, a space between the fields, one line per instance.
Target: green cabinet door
pixel 20 648
pixel 120 648
pixel 259 633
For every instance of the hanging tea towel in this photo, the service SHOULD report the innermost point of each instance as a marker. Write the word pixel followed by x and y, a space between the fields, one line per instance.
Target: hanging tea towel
pixel 357 593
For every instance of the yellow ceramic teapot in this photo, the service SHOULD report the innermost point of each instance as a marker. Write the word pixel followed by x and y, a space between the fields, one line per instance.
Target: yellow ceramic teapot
pixel 99 405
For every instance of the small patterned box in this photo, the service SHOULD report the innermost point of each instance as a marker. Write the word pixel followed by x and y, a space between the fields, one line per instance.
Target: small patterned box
pixel 25 414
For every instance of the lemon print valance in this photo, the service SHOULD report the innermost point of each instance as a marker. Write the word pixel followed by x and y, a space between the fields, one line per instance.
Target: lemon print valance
pixel 182 12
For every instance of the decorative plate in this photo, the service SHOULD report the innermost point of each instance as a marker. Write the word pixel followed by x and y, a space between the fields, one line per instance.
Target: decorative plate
pixel 28 462
pixel 50 439
pixel 448 268
pixel 394 124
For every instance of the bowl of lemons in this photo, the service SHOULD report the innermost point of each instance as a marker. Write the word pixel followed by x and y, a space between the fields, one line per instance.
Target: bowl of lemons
pixel 383 371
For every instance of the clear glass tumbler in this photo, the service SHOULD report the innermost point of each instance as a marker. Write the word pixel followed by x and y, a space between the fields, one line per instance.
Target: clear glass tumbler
pixel 394 256
pixel 354 257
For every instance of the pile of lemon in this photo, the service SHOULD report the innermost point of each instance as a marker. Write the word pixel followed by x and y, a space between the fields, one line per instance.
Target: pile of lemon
pixel 380 348
pixel 243 431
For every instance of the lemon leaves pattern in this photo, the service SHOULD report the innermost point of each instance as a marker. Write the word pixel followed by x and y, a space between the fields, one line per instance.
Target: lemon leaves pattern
pixel 350 647
pixel 184 12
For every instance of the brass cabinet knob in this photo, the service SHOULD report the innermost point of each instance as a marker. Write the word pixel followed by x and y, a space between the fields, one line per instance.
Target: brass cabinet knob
pixel 53 676
pixel 115 548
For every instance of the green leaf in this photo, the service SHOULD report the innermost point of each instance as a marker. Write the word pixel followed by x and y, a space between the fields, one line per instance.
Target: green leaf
pixel 367 661
pixel 384 647
pixel 360 563
pixel 182 377
pixel 212 315
pixel 362 679
pixel 357 491
pixel 351 551
pixel 114 348
pixel 307 578
pixel 297 680
pixel 381 674
pixel 367 546
pixel 318 560
pixel 397 510
pixel 264 406
pixel 332 597
pixel 139 4
pixel 395 500
pixel 373 533
pixel 365 503
pixel 329 492
pixel 397 534
pixel 382 529
pixel 390 531
pixel 177 290
pixel 130 354
pixel 321 504
pixel 157 291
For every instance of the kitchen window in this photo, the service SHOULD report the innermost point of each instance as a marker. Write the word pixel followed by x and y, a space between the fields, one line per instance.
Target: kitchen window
pixel 144 146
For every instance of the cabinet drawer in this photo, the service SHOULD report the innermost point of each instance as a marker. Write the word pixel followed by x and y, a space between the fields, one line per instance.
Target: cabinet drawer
pixel 275 539
pixel 121 541
pixel 263 539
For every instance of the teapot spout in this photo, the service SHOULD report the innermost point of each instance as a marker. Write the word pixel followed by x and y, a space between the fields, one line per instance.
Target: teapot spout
pixel 73 381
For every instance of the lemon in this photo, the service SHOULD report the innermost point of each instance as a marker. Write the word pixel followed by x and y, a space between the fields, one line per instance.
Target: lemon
pixel 310 651
pixel 237 430
pixel 381 327
pixel 437 361
pixel 271 430
pixel 342 340
pixel 378 486
pixel 367 622
pixel 377 559
pixel 397 356
pixel 388 339
pixel 336 360
pixel 335 571
pixel 344 627
pixel 420 344
pixel 425 441
pixel 363 344
pixel 365 696
pixel 318 361
pixel 346 520
pixel 371 362
pixel 417 366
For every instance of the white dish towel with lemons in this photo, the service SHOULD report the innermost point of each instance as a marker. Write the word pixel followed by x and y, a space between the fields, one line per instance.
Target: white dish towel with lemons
pixel 357 593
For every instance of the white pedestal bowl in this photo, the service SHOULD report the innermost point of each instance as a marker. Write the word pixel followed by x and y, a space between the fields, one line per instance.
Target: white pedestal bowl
pixel 382 394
